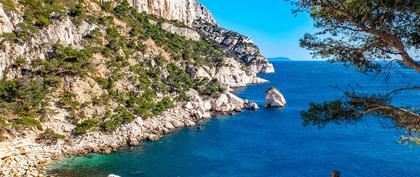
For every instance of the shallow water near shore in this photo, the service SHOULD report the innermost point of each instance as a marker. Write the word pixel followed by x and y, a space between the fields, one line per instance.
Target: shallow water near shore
pixel 273 142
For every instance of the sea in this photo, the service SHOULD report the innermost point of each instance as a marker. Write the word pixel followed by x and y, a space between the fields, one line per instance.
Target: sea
pixel 273 142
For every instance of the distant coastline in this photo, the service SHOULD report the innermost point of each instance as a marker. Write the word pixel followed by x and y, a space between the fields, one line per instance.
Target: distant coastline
pixel 279 59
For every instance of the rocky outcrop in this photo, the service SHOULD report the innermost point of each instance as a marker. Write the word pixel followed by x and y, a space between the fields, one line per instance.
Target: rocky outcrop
pixel 182 31
pixel 237 44
pixel 195 15
pixel 62 32
pixel 227 103
pixel 231 74
pixel 274 98
pixel 6 25
pixel 85 89
pixel 251 105
pixel 234 74
pixel 23 157
pixel 185 11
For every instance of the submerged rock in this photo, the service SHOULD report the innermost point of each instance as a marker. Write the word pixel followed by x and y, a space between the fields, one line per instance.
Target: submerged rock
pixel 274 98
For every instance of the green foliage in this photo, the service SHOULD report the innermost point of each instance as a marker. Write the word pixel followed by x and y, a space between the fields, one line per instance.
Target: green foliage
pixel 121 117
pixel 67 101
pixel 105 83
pixel 142 105
pixel 76 10
pixel 178 79
pixel 41 13
pixel 183 97
pixel 49 137
pixel 160 60
pixel 363 32
pixel 65 60
pixel 21 96
pixel 354 107
pixel 211 88
pixel 328 112
pixel 84 126
pixel 163 105
pixel 8 5
pixel 28 122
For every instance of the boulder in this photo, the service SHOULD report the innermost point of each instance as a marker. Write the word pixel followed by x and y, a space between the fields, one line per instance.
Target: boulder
pixel 252 106
pixel 177 124
pixel 274 98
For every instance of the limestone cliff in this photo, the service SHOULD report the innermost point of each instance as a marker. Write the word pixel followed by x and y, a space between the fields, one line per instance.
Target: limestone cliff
pixel 92 76
pixel 185 11
pixel 237 44
pixel 195 15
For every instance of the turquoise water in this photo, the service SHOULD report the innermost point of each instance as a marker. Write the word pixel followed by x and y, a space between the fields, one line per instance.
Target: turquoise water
pixel 273 142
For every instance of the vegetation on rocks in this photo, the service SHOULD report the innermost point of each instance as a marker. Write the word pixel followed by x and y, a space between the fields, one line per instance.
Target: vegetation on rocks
pixel 123 54
pixel 21 97
pixel 49 137
pixel 85 126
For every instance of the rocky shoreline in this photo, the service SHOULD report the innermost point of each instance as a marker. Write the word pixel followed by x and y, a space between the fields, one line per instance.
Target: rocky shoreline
pixel 237 63
pixel 25 157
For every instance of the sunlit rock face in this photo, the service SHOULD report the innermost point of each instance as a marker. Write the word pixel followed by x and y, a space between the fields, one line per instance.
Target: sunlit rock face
pixel 195 15
pixel 274 98
pixel 186 11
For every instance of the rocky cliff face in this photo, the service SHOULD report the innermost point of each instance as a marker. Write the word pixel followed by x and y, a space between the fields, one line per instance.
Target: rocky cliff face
pixel 185 11
pixel 93 76
pixel 195 15
pixel 237 44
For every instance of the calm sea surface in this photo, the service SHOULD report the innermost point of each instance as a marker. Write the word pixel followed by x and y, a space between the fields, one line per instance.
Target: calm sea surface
pixel 273 142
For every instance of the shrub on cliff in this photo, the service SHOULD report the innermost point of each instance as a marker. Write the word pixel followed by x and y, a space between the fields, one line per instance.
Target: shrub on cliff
pixel 211 88
pixel 27 122
pixel 163 105
pixel 67 101
pixel 178 79
pixel 21 96
pixel 49 137
pixel 121 117
pixel 84 126
pixel 65 60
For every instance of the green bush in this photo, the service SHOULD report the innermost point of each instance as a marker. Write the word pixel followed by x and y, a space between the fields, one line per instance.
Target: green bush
pixel 211 88
pixel 178 79
pixel 66 60
pixel 21 96
pixel 121 117
pixel 8 5
pixel 183 97
pixel 49 137
pixel 76 10
pixel 27 121
pixel 84 127
pixel 67 101
pixel 105 83
pixel 163 105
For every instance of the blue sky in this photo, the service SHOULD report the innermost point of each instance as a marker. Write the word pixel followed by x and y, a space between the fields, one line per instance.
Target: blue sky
pixel 270 24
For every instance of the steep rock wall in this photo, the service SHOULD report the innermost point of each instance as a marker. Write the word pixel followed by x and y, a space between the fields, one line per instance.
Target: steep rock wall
pixel 185 11
pixel 195 15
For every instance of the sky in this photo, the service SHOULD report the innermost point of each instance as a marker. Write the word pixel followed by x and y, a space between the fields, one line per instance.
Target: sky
pixel 269 23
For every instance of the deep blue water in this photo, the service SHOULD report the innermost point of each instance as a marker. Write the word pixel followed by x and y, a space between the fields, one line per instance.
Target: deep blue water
pixel 273 142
